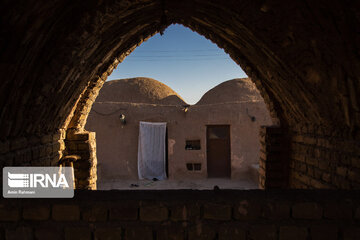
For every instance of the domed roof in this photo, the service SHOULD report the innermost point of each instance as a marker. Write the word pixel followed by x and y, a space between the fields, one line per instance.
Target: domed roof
pixel 235 90
pixel 139 90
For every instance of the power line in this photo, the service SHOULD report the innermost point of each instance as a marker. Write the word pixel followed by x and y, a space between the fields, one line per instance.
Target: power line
pixel 174 59
pixel 179 50
pixel 107 114
pixel 162 56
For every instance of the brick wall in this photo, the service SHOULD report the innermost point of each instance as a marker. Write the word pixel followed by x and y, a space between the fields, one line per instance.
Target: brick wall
pixel 324 158
pixel 84 145
pixel 49 149
pixel 274 158
pixel 185 215
pixel 33 150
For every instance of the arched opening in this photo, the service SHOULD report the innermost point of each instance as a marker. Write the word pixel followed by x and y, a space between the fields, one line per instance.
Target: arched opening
pixel 194 159
pixel 77 122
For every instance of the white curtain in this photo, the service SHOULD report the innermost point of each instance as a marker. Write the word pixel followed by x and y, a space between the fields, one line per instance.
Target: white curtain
pixel 151 151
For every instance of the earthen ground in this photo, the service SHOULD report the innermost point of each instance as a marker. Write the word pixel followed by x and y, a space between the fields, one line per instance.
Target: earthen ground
pixel 195 184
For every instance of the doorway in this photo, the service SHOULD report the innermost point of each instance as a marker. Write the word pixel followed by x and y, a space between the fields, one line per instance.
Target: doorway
pixel 218 151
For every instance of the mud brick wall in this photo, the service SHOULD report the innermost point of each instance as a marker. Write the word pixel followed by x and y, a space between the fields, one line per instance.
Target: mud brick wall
pixel 49 149
pixel 84 145
pixel 185 215
pixel 46 150
pixel 324 158
pixel 274 158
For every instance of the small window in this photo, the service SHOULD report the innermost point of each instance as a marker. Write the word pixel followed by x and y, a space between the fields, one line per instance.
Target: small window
pixel 192 145
pixel 189 166
pixel 197 166
pixel 193 166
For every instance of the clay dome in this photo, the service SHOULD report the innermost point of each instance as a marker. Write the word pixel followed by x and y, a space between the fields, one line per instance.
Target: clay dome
pixel 235 90
pixel 139 90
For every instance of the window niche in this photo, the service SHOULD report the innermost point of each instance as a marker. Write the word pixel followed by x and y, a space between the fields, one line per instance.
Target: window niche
pixel 193 166
pixel 192 145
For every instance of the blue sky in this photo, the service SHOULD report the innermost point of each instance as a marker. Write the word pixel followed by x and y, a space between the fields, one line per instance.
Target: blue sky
pixel 182 59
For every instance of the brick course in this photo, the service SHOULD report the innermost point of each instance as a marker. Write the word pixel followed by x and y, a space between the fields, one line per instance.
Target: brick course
pixel 321 157
pixel 240 215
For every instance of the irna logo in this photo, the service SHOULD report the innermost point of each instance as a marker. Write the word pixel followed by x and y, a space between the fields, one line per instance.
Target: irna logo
pixel 38 182
pixel 19 180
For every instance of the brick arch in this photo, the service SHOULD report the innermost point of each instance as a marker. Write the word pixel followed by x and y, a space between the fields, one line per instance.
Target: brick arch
pixel 302 57
pixel 77 119
pixel 78 50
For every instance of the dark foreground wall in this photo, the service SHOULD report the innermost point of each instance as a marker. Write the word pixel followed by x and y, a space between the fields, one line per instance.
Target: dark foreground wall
pixel 185 215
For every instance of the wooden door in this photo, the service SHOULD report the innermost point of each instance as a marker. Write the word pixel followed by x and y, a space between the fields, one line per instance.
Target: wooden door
pixel 218 151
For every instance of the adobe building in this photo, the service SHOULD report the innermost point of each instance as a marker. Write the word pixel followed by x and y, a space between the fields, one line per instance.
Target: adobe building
pixel 217 137
pixel 303 57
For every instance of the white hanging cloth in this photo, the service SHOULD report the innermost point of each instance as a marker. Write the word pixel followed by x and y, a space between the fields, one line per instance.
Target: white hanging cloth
pixel 151 150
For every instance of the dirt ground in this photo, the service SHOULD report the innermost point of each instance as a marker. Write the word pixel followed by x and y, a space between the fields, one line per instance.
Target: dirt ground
pixel 201 184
